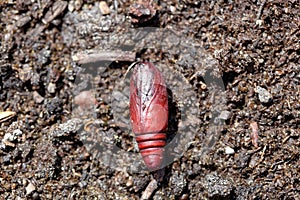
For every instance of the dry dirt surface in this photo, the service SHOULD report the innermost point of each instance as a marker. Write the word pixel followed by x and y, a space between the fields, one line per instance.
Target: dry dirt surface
pixel 233 75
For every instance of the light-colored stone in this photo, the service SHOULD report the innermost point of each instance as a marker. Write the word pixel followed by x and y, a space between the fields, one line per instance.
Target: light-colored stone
pixel 263 95
pixel 30 188
pixel 104 8
pixel 229 150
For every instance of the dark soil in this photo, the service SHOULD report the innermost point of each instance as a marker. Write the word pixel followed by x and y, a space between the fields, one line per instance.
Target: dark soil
pixel 233 75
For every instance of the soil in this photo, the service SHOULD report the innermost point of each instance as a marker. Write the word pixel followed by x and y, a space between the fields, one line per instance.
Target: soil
pixel 232 70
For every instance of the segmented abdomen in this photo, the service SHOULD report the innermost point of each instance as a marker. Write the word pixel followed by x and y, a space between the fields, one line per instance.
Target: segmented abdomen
pixel 149 112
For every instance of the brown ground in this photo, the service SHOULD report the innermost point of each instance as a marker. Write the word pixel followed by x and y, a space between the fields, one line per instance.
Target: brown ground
pixel 237 68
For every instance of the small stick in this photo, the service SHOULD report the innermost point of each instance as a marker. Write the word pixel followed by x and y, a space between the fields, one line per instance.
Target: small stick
pixel 57 8
pixel 254 133
pixel 97 56
pixel 261 7
pixel 152 186
pixel 6 115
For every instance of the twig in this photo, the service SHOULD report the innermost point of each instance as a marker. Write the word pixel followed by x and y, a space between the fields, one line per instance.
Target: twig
pixel 152 186
pixel 6 115
pixel 261 7
pixel 97 56
pixel 254 133
pixel 57 8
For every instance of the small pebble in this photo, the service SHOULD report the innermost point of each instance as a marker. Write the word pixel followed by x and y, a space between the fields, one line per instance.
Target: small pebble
pixel 263 95
pixel 11 137
pixel 6 159
pixel 184 197
pixel 85 99
pixel 225 115
pixel 8 137
pixel 178 183
pixel 30 188
pixel 71 6
pixel 259 22
pixel 129 183
pixel 37 97
pixel 78 4
pixel 229 150
pixel 217 187
pixel 35 196
pixel 24 182
pixel 51 88
pixel 172 9
pixel 104 8
pixel 82 184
